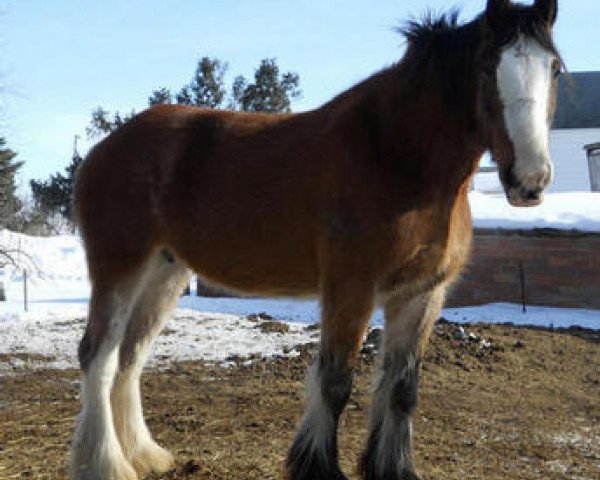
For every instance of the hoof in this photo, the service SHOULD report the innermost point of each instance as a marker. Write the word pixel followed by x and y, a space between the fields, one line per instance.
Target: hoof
pixel 309 467
pixel 409 475
pixel 103 467
pixel 368 473
pixel 306 462
pixel 315 475
pixel 151 458
pixel 99 458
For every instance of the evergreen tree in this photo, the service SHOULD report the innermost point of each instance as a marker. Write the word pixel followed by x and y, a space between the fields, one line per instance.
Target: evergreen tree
pixel 270 92
pixel 160 97
pixel 9 203
pixel 102 123
pixel 55 194
pixel 207 87
pixel 185 97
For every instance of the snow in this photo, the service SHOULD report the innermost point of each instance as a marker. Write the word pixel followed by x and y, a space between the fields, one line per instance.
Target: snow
pixel 567 211
pixel 215 329
pixel 308 312
pixel 56 270
pixel 534 316
pixel 487 182
pixel 188 335
pixel 59 257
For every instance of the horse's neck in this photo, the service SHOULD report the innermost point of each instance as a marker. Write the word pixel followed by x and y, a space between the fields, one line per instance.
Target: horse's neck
pixel 429 139
pixel 443 137
pixel 414 129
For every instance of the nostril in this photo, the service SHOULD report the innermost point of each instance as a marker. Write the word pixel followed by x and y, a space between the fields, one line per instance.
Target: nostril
pixel 540 180
pixel 533 194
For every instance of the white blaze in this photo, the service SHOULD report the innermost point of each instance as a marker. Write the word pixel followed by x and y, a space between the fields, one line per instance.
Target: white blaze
pixel 524 78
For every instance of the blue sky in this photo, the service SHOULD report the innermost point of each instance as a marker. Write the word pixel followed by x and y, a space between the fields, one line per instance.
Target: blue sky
pixel 63 58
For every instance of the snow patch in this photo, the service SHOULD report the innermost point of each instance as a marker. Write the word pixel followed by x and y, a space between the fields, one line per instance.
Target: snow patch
pixel 50 339
pixel 566 211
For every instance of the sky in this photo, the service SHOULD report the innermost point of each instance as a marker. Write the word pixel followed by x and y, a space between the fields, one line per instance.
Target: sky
pixel 61 59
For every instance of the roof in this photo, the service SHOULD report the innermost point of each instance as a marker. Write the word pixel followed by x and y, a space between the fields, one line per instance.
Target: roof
pixel 578 101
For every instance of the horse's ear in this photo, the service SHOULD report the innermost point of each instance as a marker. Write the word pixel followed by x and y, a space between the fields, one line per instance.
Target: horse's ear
pixel 495 11
pixel 496 7
pixel 547 9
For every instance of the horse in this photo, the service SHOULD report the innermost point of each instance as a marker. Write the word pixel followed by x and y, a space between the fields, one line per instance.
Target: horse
pixel 361 202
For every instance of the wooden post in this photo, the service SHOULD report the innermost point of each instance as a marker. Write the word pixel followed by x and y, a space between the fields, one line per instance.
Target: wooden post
pixel 25 289
pixel 523 286
pixel 2 292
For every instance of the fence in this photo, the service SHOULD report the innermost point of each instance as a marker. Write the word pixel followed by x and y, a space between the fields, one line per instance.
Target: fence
pixel 538 267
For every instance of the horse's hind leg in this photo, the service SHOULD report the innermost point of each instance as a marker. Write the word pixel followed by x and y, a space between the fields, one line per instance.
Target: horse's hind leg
pixel 408 324
pixel 164 283
pixel 96 453
pixel 346 309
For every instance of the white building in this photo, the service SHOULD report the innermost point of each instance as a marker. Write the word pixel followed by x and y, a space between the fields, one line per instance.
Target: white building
pixel 576 125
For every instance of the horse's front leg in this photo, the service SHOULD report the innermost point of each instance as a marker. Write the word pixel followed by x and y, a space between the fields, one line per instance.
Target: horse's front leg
pixel 408 323
pixel 346 309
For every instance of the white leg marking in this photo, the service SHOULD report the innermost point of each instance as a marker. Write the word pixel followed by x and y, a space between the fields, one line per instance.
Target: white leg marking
pixel 407 322
pixel 318 421
pixel 395 436
pixel 163 287
pixel 96 452
pixel 136 440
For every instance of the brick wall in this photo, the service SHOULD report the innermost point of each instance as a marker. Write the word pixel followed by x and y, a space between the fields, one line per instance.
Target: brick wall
pixel 542 267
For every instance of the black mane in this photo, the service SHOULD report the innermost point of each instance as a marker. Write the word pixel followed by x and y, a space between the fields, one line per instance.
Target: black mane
pixel 442 56
pixel 415 30
pixel 518 20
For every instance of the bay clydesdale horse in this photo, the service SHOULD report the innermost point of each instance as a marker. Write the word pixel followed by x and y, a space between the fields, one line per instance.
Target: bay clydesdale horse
pixel 361 202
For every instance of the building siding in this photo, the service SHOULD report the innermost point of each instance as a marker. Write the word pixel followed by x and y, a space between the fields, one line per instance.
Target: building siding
pixel 571 170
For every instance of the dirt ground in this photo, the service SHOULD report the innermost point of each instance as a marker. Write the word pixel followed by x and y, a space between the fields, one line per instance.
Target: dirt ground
pixel 525 406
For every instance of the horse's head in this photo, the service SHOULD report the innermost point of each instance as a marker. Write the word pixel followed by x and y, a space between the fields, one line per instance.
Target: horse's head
pixel 518 94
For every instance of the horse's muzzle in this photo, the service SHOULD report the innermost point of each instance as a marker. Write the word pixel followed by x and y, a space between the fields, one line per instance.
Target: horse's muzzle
pixel 527 191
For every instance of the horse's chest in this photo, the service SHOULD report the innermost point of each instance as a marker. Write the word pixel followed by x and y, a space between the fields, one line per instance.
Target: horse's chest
pixel 425 259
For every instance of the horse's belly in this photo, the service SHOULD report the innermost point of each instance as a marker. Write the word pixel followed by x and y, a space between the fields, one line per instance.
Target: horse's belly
pixel 245 262
pixel 253 277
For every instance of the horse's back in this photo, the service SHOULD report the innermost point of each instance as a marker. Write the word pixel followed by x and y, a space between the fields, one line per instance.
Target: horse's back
pixel 241 203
